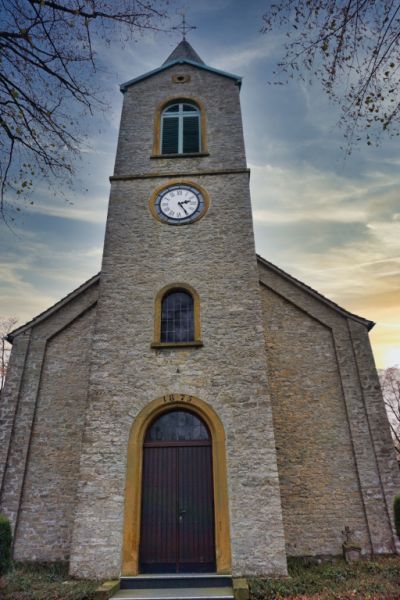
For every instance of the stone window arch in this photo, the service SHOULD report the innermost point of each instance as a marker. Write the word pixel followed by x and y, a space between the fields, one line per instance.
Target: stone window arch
pixel 133 487
pixel 177 317
pixel 180 128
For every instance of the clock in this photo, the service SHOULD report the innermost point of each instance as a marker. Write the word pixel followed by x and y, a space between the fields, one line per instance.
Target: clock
pixel 179 204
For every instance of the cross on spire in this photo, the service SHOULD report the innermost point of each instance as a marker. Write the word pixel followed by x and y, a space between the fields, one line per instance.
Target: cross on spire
pixel 184 27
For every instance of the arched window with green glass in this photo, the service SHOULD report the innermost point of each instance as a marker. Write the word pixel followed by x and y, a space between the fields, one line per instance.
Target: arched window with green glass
pixel 180 129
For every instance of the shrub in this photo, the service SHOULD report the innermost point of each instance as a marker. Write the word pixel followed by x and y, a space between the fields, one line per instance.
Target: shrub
pixel 5 545
pixel 396 508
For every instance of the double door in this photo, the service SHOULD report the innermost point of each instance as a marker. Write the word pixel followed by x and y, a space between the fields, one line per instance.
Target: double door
pixel 177 515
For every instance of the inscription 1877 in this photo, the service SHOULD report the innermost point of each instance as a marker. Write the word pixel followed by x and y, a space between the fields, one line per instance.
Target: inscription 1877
pixel 177 398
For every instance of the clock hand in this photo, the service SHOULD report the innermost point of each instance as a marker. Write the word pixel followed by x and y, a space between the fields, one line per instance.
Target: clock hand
pixel 182 207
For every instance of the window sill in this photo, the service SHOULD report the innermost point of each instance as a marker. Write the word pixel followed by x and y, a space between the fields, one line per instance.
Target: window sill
pixel 196 343
pixel 187 155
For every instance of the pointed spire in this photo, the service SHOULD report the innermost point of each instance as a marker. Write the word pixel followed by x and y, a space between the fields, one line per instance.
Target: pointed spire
pixel 184 50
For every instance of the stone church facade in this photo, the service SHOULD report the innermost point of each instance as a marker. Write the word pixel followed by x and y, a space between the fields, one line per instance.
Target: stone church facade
pixel 272 381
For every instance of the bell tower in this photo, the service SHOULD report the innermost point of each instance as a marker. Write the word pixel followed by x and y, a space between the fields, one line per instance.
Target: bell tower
pixel 179 328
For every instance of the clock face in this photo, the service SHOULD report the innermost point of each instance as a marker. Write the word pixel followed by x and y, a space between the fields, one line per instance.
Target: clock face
pixel 179 204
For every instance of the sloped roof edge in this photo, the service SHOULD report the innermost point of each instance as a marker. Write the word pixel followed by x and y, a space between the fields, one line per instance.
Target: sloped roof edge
pixel 180 61
pixel 46 313
pixel 366 322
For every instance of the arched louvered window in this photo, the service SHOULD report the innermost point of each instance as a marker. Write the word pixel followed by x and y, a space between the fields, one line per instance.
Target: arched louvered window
pixel 177 317
pixel 180 129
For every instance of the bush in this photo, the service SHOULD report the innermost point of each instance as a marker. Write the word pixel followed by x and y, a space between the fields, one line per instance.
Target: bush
pixel 396 508
pixel 5 545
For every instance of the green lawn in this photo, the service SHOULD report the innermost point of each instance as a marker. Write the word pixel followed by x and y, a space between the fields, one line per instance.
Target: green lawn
pixel 377 579
pixel 366 580
pixel 44 582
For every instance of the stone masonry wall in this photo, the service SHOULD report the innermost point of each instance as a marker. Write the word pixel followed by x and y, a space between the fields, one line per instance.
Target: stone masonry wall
pixel 224 133
pixel 9 399
pixel 216 256
pixel 48 501
pixel 317 473
pixel 336 457
pixel 45 348
pixel 377 421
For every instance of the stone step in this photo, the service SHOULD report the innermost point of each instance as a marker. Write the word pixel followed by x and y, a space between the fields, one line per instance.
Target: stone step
pixel 176 593
pixel 176 580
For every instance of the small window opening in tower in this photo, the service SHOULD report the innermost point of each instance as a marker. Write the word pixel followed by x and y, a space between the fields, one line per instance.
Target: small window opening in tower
pixel 180 129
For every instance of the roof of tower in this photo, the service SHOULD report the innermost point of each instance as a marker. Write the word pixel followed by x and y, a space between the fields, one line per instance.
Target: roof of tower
pixel 184 50
pixel 184 53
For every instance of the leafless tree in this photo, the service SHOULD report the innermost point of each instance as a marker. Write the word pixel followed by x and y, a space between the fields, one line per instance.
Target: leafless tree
pixel 48 63
pixel 353 48
pixel 390 384
pixel 6 325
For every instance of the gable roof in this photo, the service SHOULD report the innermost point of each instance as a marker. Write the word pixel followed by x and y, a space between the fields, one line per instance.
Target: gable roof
pixel 366 322
pixel 46 313
pixel 184 53
pixel 96 278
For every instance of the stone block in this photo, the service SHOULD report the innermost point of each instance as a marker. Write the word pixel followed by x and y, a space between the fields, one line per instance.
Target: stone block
pixel 241 588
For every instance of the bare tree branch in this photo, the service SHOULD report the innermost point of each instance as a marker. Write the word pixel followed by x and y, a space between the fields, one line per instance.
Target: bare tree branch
pixel 390 384
pixel 6 325
pixel 48 67
pixel 353 48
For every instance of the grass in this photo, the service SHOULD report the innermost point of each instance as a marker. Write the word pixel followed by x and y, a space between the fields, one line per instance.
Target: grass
pixel 37 581
pixel 377 579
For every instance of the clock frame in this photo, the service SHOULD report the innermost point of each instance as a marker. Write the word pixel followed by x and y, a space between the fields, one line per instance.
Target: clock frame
pixel 165 193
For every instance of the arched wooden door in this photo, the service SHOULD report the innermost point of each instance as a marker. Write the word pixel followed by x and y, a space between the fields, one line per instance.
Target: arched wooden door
pixel 177 514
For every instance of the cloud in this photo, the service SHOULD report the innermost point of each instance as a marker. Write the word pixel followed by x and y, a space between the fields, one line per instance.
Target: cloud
pixel 20 297
pixel 330 221
pixel 209 5
pixel 37 270
pixel 338 234
pixel 92 211
pixel 290 195
pixel 243 56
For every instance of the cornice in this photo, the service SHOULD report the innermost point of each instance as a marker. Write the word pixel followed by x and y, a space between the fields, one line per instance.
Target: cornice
pixel 180 174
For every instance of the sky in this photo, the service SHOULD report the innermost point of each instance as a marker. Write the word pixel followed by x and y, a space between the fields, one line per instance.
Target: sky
pixel 331 220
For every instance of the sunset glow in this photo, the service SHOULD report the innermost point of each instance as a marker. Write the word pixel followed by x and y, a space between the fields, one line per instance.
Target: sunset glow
pixel 331 220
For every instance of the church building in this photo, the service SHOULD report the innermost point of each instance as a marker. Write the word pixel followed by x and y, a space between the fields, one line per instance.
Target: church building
pixel 191 409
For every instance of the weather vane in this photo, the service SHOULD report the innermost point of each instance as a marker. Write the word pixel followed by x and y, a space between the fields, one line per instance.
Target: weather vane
pixel 184 27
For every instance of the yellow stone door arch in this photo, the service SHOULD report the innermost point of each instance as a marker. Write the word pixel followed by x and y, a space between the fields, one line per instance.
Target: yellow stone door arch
pixel 133 489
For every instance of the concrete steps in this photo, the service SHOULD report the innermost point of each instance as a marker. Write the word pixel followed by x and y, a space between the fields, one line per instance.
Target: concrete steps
pixel 219 593
pixel 175 587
